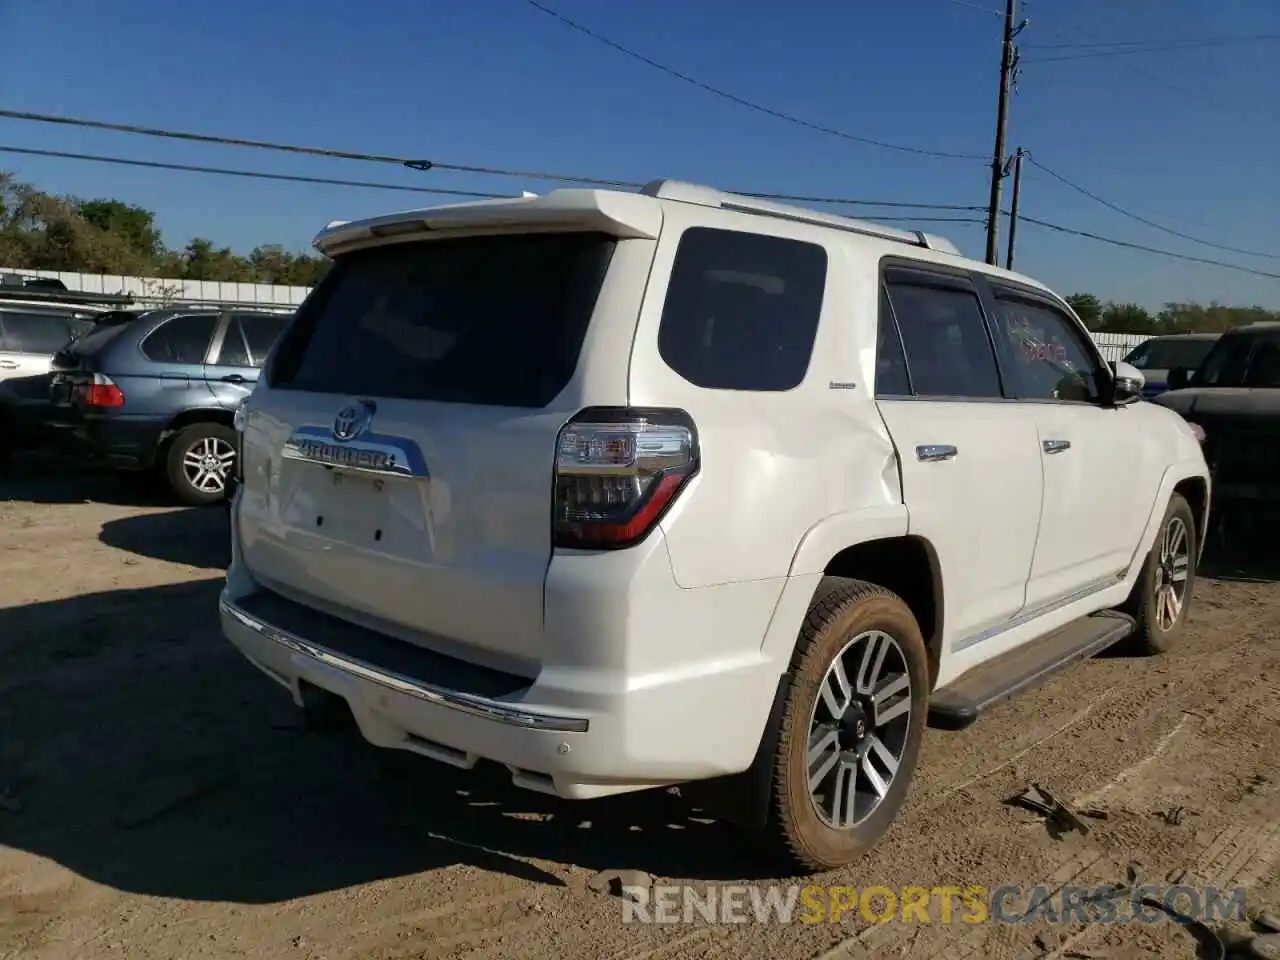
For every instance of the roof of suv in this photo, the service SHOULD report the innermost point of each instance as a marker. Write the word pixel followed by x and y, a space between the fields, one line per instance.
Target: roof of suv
pixel 628 215
pixel 21 290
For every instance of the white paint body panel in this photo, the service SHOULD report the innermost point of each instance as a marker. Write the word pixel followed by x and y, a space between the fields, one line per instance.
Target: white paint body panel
pixel 670 652
pixel 981 510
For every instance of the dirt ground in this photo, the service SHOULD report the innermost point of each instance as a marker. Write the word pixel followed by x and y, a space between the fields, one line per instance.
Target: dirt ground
pixel 158 800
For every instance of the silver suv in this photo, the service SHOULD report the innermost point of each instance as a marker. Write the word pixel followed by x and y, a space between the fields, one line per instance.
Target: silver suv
pixel 38 317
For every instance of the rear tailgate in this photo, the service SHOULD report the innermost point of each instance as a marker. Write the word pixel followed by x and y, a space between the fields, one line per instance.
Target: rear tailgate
pixel 398 454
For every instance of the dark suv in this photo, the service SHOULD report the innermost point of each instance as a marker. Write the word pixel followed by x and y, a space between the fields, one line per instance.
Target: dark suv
pixel 159 389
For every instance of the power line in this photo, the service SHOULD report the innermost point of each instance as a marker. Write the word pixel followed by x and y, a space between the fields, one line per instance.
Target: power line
pixel 1154 48
pixel 424 165
pixel 742 101
pixel 1196 41
pixel 1189 92
pixel 253 174
pixel 976 6
pixel 1144 220
pixel 378 185
pixel 1145 249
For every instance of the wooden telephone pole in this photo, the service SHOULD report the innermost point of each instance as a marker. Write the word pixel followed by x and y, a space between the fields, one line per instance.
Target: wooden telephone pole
pixel 1013 205
pixel 1008 64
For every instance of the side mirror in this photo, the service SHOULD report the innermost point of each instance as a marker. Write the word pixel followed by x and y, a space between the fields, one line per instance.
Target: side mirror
pixel 1129 382
pixel 1178 378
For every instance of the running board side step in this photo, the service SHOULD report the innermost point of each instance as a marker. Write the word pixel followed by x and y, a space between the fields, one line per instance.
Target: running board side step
pixel 1024 667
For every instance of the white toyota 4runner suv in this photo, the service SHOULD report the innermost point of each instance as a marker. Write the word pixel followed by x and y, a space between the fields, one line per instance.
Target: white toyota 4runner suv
pixel 628 490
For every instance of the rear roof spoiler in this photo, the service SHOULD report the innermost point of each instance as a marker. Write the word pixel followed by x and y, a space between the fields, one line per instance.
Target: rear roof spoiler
pixel 610 211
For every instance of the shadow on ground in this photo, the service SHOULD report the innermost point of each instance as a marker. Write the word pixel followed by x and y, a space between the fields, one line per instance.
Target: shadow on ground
pixel 42 477
pixel 142 752
pixel 1241 546
pixel 197 537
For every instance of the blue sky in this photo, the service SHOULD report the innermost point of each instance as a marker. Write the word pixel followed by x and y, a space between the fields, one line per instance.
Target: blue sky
pixel 1188 138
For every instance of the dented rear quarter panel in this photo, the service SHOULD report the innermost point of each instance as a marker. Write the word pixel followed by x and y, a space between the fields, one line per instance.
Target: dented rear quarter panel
pixel 777 464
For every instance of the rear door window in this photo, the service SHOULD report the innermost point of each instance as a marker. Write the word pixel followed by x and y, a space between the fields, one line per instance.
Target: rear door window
pixel 944 335
pixel 494 320
pixel 742 309
pixel 35 333
pixel 183 339
pixel 261 331
pixel 234 351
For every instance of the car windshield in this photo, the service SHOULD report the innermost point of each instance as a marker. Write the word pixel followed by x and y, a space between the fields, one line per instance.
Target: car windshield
pixel 1241 361
pixel 1169 353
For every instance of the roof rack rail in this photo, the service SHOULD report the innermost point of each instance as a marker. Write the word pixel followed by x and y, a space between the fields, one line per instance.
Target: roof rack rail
pixel 39 293
pixel 712 197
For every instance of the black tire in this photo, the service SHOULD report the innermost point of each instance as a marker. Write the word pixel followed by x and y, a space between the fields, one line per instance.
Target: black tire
pixel 1154 633
pixel 190 440
pixel 6 443
pixel 842 611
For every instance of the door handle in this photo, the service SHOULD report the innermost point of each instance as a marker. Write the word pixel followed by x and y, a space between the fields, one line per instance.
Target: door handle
pixel 234 378
pixel 8 364
pixel 936 452
pixel 1055 446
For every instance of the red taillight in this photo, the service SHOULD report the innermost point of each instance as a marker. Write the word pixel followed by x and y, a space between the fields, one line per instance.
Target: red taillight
pixel 618 469
pixel 101 392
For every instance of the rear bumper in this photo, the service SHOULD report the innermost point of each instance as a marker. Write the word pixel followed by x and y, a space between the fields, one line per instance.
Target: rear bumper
pixel 578 730
pixel 121 440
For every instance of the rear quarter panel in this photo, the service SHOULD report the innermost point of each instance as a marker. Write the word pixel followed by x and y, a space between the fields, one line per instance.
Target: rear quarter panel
pixel 776 464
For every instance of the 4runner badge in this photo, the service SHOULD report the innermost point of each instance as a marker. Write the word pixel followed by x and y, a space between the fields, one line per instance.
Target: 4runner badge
pixel 350 445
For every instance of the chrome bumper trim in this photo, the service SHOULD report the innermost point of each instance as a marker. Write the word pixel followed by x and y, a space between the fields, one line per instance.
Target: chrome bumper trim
pixel 440 696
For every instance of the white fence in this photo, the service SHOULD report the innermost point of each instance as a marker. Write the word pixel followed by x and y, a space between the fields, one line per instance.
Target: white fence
pixel 1115 346
pixel 159 291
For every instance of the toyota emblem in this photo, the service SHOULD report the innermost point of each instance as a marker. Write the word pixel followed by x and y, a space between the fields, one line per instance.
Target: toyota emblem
pixel 352 420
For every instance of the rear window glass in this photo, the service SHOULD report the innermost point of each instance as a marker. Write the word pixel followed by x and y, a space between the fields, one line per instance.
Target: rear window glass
pixel 742 309
pixel 486 320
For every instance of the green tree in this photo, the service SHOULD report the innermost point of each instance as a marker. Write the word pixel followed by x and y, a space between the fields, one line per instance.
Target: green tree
pixel 134 225
pixel 1087 307
pixel 1126 318
pixel 41 231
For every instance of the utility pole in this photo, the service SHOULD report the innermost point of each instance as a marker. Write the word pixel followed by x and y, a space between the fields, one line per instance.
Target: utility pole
pixel 1013 204
pixel 1008 63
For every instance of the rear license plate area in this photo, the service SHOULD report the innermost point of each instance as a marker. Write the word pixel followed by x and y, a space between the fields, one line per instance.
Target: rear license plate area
pixel 355 508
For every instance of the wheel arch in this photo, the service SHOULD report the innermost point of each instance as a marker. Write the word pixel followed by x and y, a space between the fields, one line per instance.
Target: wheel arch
pixel 195 415
pixel 1195 490
pixel 1188 478
pixel 908 566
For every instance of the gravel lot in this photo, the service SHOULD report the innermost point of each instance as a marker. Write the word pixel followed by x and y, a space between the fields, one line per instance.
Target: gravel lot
pixel 157 799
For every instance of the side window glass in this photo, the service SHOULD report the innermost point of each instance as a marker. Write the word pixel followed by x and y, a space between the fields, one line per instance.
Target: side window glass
pixel 234 351
pixel 262 331
pixel 1264 366
pixel 1225 364
pixel 945 341
pixel 183 339
pixel 742 309
pixel 1051 360
pixel 891 363
pixel 35 333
